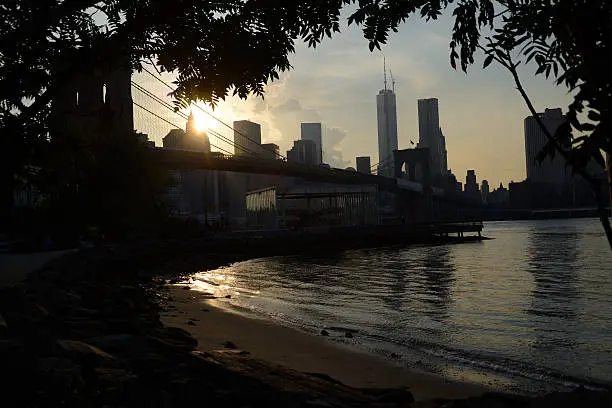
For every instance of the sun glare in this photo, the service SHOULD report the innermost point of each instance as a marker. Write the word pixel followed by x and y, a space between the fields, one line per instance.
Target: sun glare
pixel 203 121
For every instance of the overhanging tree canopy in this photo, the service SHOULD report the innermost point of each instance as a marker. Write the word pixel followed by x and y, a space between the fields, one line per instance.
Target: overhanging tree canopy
pixel 237 46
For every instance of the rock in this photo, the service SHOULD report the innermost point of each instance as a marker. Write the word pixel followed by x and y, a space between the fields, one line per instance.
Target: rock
pixel 115 342
pixel 233 352
pixel 201 354
pixel 41 311
pixel 83 351
pixel 180 335
pixel 325 377
pixel 319 403
pixel 55 364
pixel 396 396
pixel 114 375
pixel 73 296
pixel 230 345
pixel 324 333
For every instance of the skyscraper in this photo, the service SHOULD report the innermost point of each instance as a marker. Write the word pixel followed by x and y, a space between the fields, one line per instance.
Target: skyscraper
pixel 313 131
pixel 194 192
pixel 444 153
pixel 471 189
pixel 430 135
pixel 270 151
pixel 484 191
pixel 189 139
pixel 387 131
pixel 304 151
pixel 552 170
pixel 363 164
pixel 247 138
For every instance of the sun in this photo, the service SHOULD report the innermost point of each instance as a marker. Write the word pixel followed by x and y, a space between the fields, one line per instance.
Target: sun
pixel 203 121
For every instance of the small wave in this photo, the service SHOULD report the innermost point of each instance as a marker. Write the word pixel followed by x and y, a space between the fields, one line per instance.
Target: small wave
pixel 488 362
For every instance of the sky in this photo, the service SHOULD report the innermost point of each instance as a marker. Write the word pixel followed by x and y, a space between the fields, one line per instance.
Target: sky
pixel 481 113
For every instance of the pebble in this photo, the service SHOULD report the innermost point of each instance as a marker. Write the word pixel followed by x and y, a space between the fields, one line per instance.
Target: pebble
pixel 230 345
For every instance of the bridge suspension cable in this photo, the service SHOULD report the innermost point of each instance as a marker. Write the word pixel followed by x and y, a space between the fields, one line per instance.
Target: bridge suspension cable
pixel 172 124
pixel 184 116
pixel 211 115
pixel 384 164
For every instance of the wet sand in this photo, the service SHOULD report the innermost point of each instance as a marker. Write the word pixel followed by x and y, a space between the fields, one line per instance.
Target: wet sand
pixel 213 326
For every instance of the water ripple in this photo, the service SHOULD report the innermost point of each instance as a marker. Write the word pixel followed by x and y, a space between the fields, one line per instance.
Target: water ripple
pixel 531 309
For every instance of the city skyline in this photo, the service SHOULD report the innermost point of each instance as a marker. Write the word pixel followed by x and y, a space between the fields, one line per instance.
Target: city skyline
pixel 479 112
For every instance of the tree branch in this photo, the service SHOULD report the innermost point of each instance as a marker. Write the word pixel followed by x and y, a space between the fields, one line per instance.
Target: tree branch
pixel 595 184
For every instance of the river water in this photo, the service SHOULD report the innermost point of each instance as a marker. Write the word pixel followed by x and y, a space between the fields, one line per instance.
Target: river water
pixel 527 311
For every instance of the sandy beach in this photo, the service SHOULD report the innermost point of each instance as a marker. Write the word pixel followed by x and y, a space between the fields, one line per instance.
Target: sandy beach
pixel 213 325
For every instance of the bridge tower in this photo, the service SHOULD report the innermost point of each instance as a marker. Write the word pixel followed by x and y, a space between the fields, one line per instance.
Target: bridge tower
pixel 412 206
pixel 95 101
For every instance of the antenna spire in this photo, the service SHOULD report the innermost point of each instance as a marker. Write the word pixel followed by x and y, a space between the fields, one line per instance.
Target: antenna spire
pixel 385 71
pixel 392 81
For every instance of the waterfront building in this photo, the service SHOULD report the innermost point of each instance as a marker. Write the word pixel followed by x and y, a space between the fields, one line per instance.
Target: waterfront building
pixel 312 206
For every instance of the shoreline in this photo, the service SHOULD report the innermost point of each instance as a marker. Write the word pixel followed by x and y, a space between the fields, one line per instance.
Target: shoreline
pixel 214 325
pixel 87 330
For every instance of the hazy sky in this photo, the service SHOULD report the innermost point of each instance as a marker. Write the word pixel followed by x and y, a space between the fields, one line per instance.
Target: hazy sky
pixel 481 113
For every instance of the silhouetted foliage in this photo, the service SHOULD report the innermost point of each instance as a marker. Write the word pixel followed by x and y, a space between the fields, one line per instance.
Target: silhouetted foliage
pixel 213 47
pixel 218 48
pixel 237 46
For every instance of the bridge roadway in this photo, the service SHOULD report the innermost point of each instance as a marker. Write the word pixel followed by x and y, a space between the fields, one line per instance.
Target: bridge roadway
pixel 185 159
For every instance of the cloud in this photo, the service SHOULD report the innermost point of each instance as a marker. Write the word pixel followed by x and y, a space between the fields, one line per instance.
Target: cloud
pixel 337 83
pixel 332 149
pixel 289 106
